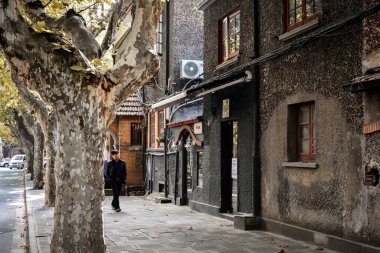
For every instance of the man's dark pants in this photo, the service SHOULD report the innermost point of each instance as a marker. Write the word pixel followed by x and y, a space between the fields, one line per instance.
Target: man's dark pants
pixel 116 189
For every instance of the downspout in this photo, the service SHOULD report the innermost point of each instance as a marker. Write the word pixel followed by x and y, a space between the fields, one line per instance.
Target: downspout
pixel 167 55
pixel 256 170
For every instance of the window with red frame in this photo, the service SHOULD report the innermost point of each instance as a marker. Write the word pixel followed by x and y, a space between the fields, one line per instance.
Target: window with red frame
pixel 300 12
pixel 306 132
pixel 152 130
pixel 230 35
pixel 161 125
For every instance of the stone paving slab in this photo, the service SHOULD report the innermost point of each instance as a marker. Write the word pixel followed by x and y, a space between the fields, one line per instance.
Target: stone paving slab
pixel 144 226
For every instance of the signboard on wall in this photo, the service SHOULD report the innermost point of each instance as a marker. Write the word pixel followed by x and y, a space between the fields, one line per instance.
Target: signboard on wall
pixel 226 108
pixel 234 168
pixel 198 128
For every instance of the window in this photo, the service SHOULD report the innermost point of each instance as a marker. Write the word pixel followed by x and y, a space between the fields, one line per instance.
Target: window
pixel 230 36
pixel 161 125
pixel 159 36
pixel 306 132
pixel 156 128
pixel 136 134
pixel 152 130
pixel 300 12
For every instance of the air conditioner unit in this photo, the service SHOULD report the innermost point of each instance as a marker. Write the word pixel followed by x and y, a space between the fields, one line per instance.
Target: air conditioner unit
pixel 191 69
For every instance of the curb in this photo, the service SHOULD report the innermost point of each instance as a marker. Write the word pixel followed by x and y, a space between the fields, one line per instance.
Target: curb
pixel 31 235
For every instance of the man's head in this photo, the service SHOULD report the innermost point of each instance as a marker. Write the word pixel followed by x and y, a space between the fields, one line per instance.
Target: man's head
pixel 115 154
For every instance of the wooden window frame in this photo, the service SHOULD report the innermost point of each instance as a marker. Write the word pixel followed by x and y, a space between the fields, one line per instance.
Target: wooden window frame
pixel 310 156
pixel 152 130
pixel 159 42
pixel 305 18
pixel 221 36
pixel 136 138
pixel 161 125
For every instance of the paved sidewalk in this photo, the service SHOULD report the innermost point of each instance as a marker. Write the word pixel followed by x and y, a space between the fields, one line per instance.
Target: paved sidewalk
pixel 144 226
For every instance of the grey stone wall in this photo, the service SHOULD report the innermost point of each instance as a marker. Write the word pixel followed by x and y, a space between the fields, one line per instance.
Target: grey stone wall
pixel 186 37
pixel 212 16
pixel 331 198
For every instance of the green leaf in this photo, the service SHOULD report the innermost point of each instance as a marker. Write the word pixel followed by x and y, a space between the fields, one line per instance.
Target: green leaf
pixel 77 68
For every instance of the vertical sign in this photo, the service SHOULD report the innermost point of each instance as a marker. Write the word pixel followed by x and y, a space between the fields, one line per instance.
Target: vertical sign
pixel 226 108
pixel 234 168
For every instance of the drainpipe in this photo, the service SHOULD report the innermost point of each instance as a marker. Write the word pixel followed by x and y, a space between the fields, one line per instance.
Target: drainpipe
pixel 166 91
pixel 256 170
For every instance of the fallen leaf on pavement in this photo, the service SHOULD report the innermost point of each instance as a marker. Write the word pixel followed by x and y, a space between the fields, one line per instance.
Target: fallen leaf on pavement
pixel 116 221
pixel 24 246
pixel 190 228
pixel 281 251
pixel 319 248
pixel 268 238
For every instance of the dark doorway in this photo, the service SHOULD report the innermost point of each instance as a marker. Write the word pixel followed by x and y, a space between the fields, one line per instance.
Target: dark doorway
pixel 229 167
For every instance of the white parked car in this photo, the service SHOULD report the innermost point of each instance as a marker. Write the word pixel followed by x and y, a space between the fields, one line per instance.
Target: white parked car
pixel 18 161
pixel 4 162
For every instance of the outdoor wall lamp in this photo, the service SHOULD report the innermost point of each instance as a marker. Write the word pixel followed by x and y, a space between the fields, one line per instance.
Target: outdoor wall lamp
pixel 189 144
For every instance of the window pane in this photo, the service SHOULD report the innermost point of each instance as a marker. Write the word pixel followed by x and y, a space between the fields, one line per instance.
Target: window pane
pixel 225 49
pixel 237 23
pixel 299 14
pixel 237 42
pixel 292 4
pixel 225 29
pixel 292 19
pixel 310 11
pixel 304 131
pixel 318 7
pixel 304 116
pixel 231 44
pixel 305 146
pixel 298 3
pixel 314 146
pixel 232 26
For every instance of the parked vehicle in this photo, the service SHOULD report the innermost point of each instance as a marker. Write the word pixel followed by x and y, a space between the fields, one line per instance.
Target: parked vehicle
pixel 4 162
pixel 18 161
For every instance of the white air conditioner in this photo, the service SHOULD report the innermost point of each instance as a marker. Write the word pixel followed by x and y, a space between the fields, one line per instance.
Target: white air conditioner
pixel 191 69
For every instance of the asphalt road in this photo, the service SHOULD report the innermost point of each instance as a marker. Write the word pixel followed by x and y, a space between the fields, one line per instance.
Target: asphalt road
pixel 11 198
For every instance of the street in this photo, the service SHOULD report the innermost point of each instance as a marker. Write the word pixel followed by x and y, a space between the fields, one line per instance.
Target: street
pixel 11 207
pixel 143 226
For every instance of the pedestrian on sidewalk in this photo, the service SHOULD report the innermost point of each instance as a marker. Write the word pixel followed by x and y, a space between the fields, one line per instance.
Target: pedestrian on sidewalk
pixel 117 174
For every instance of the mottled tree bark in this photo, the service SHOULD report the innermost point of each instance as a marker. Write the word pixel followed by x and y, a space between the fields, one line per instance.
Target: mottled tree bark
pixel 84 107
pixel 27 140
pixel 47 120
pixel 38 152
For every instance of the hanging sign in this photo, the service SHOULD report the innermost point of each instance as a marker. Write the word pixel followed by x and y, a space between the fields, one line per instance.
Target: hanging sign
pixel 226 108
pixel 198 128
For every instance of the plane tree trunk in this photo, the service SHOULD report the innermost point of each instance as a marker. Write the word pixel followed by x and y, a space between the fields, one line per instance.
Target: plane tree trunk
pixel 47 120
pixel 84 103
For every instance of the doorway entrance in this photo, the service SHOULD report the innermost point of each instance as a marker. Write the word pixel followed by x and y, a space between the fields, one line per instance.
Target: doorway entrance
pixel 229 167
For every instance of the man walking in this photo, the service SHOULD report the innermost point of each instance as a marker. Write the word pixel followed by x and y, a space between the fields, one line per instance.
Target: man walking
pixel 117 173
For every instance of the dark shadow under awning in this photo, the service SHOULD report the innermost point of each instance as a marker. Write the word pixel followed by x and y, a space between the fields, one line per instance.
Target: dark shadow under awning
pixel 364 83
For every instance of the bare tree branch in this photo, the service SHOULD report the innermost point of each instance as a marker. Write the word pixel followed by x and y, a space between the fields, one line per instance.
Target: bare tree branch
pixel 138 62
pixel 119 10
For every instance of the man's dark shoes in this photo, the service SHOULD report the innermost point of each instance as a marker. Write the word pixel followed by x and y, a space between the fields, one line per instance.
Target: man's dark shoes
pixel 118 210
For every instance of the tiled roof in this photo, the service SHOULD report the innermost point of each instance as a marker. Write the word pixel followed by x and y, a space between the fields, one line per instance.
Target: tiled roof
pixel 131 107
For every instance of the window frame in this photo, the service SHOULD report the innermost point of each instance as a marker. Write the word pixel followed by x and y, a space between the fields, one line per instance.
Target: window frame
pixel 152 130
pixel 310 156
pixel 160 36
pixel 305 19
pixel 136 134
pixel 222 38
pixel 161 125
